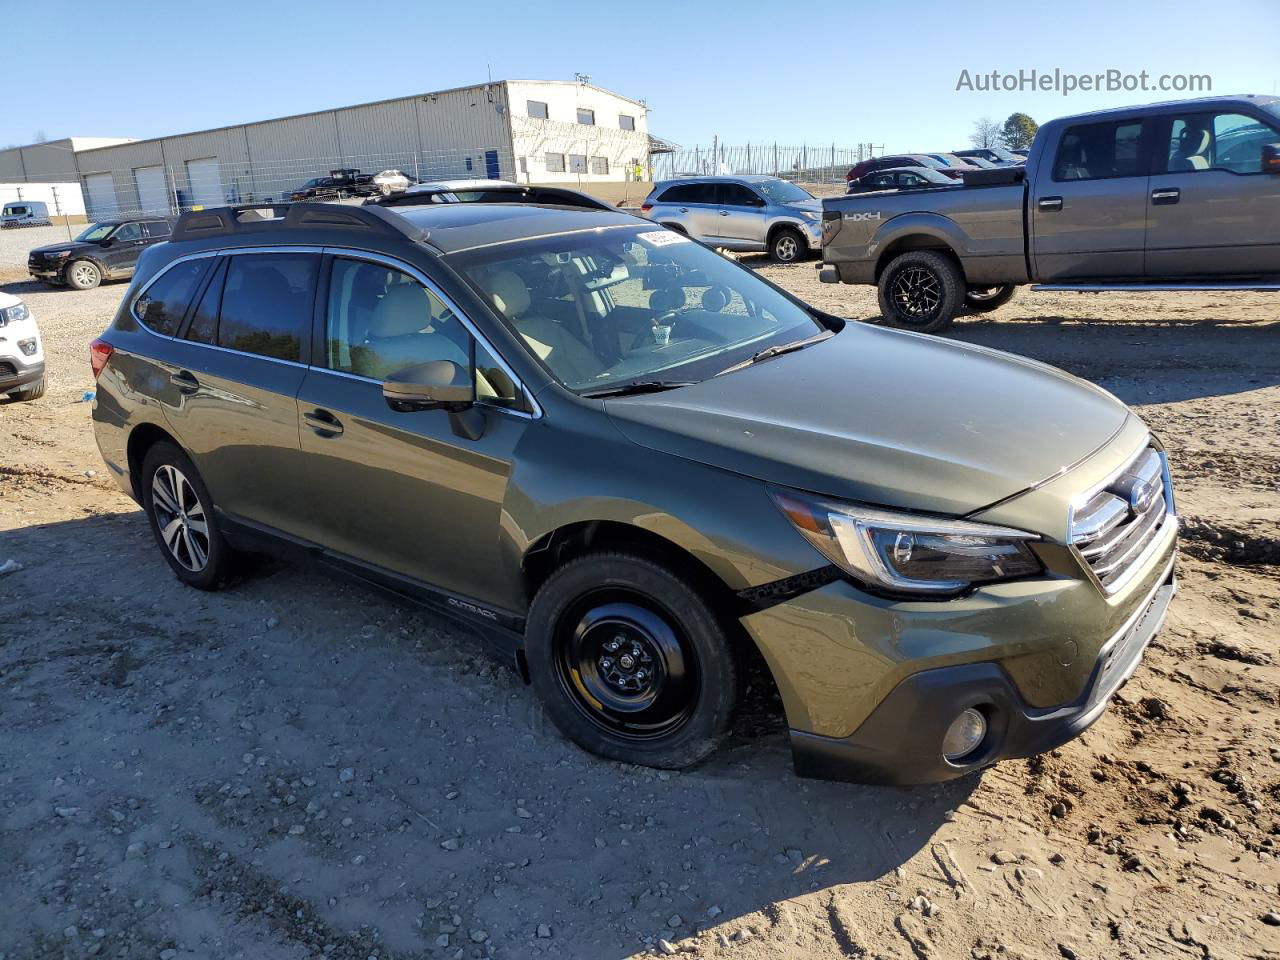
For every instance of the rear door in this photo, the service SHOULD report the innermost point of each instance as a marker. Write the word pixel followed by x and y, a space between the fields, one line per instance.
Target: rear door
pixel 235 371
pixel 695 206
pixel 1089 203
pixel 404 492
pixel 1213 212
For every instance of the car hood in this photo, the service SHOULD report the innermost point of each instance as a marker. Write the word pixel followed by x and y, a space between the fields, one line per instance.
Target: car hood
pixel 884 417
pixel 814 205
pixel 65 245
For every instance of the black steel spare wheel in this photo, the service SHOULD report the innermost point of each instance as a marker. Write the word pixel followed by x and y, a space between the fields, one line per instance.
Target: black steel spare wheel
pixel 626 667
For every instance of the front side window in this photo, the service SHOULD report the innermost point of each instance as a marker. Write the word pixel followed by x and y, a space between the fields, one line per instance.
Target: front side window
pixel 1100 151
pixel 625 122
pixel 266 304
pixel 380 321
pixel 127 233
pixel 164 304
pixel 536 109
pixel 587 117
pixel 631 304
pixel 555 163
pixel 1217 141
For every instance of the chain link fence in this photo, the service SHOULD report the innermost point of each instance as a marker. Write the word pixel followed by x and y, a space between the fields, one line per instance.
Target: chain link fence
pixel 806 163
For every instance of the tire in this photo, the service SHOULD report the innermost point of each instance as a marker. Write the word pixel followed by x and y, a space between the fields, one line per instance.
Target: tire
pixel 83 274
pixel 986 299
pixel 384 189
pixel 164 470
pixel 787 246
pixel 921 290
pixel 630 662
pixel 32 391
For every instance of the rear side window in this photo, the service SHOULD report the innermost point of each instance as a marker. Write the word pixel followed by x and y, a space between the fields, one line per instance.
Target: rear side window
pixel 157 228
pixel 736 195
pixel 164 304
pixel 266 304
pixel 204 321
pixel 1100 151
pixel 690 193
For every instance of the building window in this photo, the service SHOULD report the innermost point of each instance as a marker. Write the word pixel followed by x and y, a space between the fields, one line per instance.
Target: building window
pixel 469 164
pixel 524 165
pixel 587 117
pixel 555 163
pixel 536 109
pixel 577 163
pixel 600 166
pixel 625 122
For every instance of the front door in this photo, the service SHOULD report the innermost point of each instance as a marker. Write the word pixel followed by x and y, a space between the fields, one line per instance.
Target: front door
pixel 234 371
pixel 122 252
pixel 1089 207
pixel 405 492
pixel 741 215
pixel 1213 213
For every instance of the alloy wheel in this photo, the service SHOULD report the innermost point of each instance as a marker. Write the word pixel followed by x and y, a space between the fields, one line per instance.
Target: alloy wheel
pixel 917 293
pixel 787 248
pixel 84 274
pixel 626 666
pixel 180 518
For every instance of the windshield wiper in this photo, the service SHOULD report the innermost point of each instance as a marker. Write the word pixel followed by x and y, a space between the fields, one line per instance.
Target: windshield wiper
pixel 638 386
pixel 777 350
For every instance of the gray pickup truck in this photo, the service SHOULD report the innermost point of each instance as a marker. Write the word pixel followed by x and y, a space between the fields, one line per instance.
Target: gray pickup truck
pixel 1170 196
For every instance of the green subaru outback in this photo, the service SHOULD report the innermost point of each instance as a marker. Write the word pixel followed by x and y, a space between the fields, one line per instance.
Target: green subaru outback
pixel 638 466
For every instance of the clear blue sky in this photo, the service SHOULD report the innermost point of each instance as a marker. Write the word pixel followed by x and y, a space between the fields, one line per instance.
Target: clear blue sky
pixel 846 71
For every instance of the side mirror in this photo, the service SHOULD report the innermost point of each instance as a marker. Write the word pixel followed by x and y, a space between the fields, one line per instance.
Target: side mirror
pixel 105 242
pixel 1271 158
pixel 440 384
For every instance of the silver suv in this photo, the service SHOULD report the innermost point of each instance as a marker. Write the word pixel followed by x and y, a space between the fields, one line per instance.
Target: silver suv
pixel 747 213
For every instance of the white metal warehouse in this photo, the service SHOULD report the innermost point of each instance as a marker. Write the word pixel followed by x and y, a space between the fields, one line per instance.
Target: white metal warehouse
pixel 536 131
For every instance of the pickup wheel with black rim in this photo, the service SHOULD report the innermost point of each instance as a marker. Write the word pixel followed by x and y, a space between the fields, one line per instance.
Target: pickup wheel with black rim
pixel 986 299
pixel 921 290
pixel 83 274
pixel 786 246
pixel 630 661
pixel 180 511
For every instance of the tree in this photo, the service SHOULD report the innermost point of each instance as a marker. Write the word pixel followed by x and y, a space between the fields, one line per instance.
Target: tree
pixel 1018 131
pixel 986 133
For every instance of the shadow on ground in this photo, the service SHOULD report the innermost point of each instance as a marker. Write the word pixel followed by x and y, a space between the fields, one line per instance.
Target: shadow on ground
pixel 299 766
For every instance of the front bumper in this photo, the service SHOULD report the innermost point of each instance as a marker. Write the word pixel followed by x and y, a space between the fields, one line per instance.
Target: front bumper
pixel 14 373
pixel 47 270
pixel 900 741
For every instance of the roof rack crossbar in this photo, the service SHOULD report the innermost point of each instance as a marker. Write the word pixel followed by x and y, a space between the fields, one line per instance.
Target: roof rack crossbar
pixel 262 217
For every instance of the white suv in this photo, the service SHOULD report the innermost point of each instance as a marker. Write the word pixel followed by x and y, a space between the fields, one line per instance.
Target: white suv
pixel 21 355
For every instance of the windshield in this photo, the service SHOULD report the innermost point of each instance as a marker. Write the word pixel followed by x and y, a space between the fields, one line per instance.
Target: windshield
pixel 632 304
pixel 1273 108
pixel 783 191
pixel 933 162
pixel 96 232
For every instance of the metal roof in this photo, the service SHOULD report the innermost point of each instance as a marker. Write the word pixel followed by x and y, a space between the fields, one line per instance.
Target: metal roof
pixel 1206 102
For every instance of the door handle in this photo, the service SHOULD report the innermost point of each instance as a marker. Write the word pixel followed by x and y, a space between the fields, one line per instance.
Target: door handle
pixel 323 422
pixel 1165 196
pixel 185 381
pixel 724 213
pixel 684 209
pixel 1050 203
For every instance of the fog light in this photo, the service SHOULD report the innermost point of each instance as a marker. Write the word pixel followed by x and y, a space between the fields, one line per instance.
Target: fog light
pixel 964 735
pixel 28 347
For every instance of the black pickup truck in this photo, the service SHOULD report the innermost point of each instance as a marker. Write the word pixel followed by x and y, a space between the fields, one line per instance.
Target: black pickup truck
pixel 1168 196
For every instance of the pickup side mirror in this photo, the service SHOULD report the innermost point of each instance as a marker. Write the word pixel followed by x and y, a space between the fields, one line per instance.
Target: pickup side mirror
pixel 1271 158
pixel 440 384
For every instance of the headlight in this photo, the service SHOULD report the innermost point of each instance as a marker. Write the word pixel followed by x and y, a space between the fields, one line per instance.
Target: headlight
pixel 15 313
pixel 903 553
pixel 58 253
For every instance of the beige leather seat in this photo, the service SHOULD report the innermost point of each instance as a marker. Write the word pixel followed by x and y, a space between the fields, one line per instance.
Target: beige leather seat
pixel 1193 145
pixel 398 336
pixel 568 357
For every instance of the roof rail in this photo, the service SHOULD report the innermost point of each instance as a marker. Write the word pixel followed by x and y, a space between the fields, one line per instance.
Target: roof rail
pixel 247 218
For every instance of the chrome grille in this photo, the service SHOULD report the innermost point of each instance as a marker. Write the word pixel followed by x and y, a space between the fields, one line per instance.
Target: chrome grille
pixel 1115 525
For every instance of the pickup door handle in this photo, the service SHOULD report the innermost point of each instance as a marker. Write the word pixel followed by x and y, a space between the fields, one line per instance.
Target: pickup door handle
pixel 323 422
pixel 1050 203
pixel 684 209
pixel 185 381
pixel 1165 196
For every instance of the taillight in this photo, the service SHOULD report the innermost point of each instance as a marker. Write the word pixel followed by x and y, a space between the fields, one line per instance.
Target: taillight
pixel 646 207
pixel 99 353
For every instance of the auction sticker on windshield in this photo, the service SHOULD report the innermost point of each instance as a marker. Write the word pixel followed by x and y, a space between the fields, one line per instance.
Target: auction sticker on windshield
pixel 662 238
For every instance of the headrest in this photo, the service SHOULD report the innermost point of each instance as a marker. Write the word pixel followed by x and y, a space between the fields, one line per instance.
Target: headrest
pixel 1193 141
pixel 404 309
pixel 667 298
pixel 508 293
pixel 715 299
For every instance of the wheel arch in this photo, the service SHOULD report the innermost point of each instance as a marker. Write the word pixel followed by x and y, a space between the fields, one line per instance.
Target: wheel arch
pixel 141 439
pixel 917 241
pixel 677 227
pixel 790 225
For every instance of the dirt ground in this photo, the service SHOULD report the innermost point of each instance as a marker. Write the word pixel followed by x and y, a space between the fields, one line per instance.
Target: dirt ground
pixel 301 768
